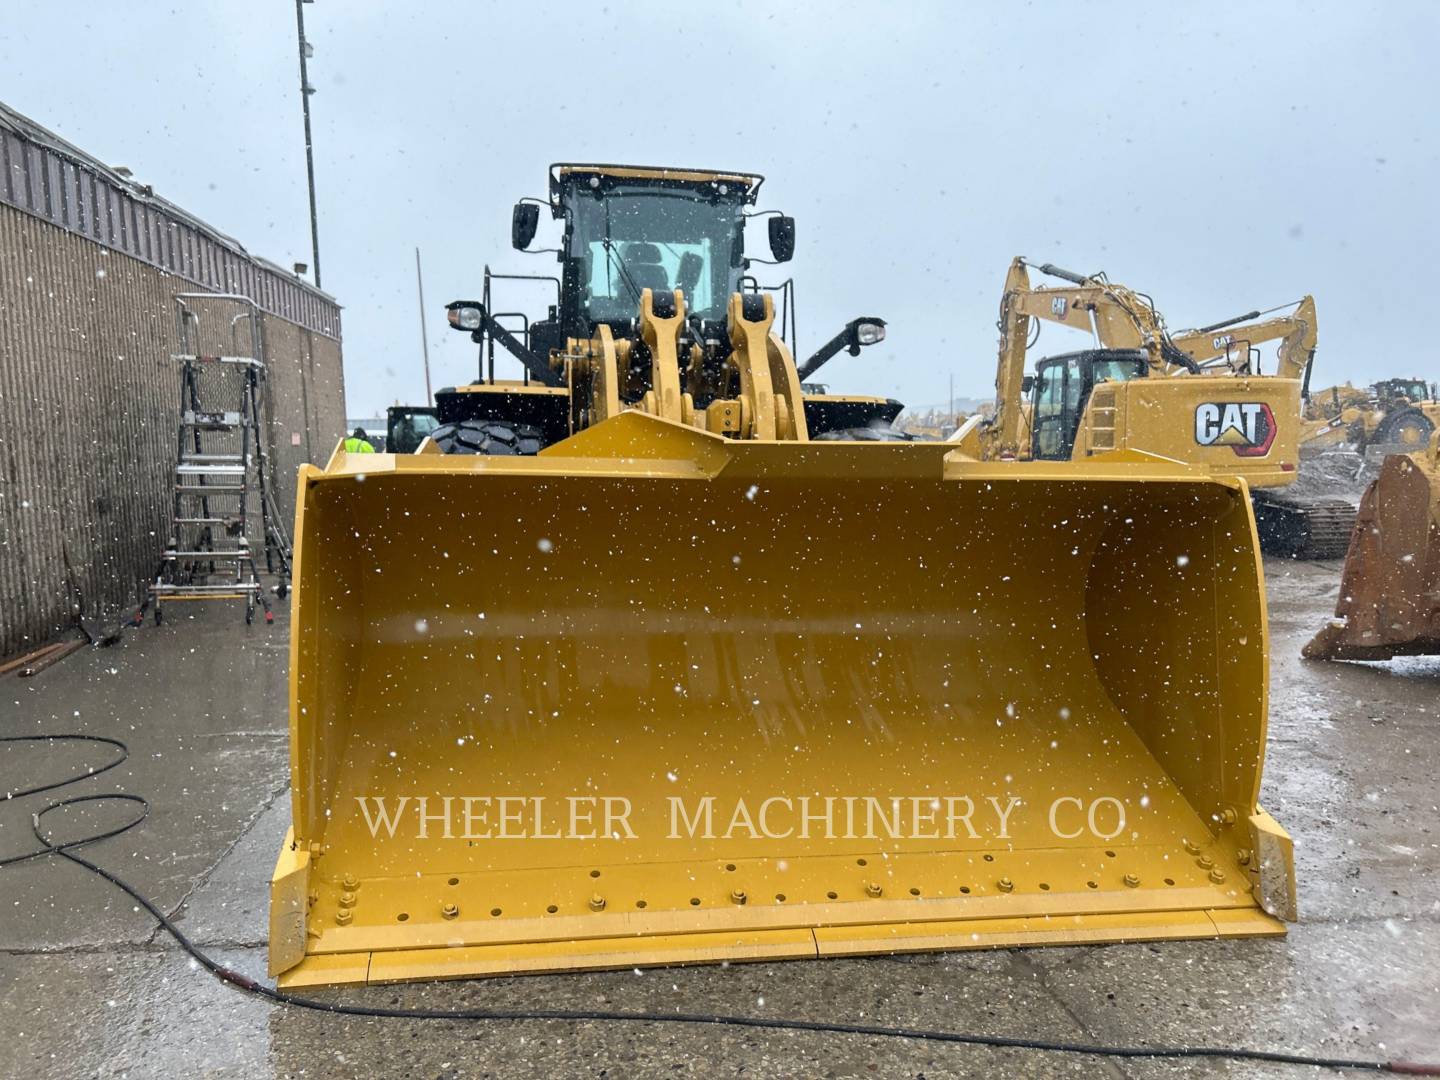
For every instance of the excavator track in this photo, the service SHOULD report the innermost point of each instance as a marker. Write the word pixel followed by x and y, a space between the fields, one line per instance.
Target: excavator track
pixel 1307 529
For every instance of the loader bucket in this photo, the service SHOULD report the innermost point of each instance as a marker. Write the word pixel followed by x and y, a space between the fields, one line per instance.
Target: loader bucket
pixel 1389 602
pixel 658 697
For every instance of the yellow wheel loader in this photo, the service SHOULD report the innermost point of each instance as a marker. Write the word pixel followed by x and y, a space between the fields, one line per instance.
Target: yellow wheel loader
pixel 690 684
pixel 1195 397
pixel 1394 415
pixel 1408 414
pixel 1389 603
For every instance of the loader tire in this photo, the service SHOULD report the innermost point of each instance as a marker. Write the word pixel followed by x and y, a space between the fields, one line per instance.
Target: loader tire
pixel 1407 431
pixel 491 438
pixel 866 434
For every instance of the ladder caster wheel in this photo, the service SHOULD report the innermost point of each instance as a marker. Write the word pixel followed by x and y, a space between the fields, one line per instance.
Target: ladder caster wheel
pixel 282 589
pixel 158 617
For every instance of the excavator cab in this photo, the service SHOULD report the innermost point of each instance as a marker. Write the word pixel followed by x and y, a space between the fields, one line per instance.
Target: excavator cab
pixel 1061 390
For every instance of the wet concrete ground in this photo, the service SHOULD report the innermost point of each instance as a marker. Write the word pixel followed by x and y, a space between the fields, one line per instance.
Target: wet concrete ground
pixel 89 988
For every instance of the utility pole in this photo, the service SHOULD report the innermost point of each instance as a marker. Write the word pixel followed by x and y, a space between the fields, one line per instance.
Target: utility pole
pixel 424 339
pixel 305 91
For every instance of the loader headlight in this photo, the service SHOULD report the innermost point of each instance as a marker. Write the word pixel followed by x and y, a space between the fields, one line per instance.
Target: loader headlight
pixel 868 333
pixel 465 315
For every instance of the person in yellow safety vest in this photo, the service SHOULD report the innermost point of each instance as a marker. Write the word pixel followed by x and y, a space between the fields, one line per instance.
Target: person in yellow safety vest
pixel 357 443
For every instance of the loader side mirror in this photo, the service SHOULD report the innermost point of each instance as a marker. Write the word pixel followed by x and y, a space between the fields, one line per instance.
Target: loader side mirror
pixel 782 238
pixel 467 315
pixel 524 220
pixel 1027 383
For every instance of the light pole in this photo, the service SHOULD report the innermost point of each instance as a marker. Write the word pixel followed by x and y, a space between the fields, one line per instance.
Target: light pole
pixel 305 91
pixel 424 338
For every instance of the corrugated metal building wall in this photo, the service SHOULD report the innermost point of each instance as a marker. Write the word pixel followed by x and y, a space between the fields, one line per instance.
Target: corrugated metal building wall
pixel 89 267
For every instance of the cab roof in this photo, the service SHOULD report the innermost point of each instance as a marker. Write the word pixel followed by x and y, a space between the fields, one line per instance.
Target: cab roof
pixel 560 172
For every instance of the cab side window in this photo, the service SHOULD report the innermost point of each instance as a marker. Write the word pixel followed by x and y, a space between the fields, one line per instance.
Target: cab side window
pixel 1049 412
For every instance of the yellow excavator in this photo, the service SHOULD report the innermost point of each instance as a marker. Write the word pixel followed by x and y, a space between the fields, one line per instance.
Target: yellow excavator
pixel 1389 602
pixel 669 679
pixel 1196 397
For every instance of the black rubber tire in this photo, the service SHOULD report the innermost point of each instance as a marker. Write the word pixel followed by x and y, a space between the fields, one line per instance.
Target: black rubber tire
pixel 866 434
pixel 282 589
pixel 491 438
pixel 1409 429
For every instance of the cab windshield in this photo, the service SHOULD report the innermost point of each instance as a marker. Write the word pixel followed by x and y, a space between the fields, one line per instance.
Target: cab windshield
pixel 1414 389
pixel 627 240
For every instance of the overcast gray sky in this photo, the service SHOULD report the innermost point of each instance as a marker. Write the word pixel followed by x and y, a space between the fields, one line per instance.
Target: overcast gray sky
pixel 1219 156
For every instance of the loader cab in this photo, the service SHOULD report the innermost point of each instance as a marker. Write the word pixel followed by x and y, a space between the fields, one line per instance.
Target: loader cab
pixel 406 427
pixel 631 229
pixel 1391 391
pixel 1061 390
pixel 627 229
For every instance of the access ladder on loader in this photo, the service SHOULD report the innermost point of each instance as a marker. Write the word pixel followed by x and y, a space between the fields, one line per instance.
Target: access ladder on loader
pixel 220 465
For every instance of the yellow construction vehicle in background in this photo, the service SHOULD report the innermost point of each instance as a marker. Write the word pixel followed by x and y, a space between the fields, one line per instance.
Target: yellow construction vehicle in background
pixel 1408 414
pixel 1389 603
pixel 1196 397
pixel 936 424
pixel 1334 417
pixel 689 684
pixel 1393 415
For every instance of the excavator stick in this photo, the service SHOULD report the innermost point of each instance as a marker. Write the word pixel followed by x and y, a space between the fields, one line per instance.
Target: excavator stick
pixel 656 696
pixel 1389 601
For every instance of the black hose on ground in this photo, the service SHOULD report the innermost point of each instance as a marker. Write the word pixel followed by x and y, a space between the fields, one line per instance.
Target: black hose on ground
pixel 243 982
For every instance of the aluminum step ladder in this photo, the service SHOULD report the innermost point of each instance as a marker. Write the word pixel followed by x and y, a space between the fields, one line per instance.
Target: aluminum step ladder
pixel 221 481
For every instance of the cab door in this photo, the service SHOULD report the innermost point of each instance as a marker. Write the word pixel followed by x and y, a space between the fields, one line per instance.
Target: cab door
pixel 1052 425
